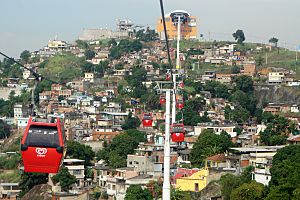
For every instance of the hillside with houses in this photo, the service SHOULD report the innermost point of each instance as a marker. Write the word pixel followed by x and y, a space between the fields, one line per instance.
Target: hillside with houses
pixel 241 119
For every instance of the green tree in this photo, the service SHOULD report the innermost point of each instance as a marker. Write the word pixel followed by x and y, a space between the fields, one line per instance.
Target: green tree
pixel 208 144
pixel 125 45
pixel 235 70
pixel 146 35
pixel 5 130
pixel 247 101
pixel 29 180
pixel 138 91
pixel 277 131
pixel 89 54
pixel 135 81
pixel 136 46
pixel 239 36
pixel 115 52
pixel 116 152
pixel 64 178
pixel 155 188
pixel 274 41
pixel 112 42
pixel 259 61
pixel 228 183
pixel 116 160
pixel 248 191
pixel 285 171
pixel 136 192
pixel 177 194
pixel 80 151
pixel 87 67
pixel 150 100
pixel 217 89
pixel 131 122
pixel 82 44
pixel 244 83
pixel 101 67
pixel 25 55
pixel 138 76
pixel 239 114
pixel 191 111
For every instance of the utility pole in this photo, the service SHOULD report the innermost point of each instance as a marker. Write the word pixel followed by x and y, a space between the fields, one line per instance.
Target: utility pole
pixel 266 58
pixel 178 43
pixel 166 184
pixel 296 53
pixel 174 100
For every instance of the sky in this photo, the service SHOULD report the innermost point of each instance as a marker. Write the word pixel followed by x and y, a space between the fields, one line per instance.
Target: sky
pixel 29 24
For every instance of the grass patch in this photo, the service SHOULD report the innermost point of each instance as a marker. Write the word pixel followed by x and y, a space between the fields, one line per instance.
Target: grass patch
pixel 10 162
pixel 285 59
pixel 10 176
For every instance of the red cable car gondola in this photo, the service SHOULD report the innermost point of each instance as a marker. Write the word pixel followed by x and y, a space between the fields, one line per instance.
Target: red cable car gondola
pixel 180 85
pixel 147 120
pixel 179 103
pixel 177 133
pixel 42 146
pixel 162 99
pixel 168 77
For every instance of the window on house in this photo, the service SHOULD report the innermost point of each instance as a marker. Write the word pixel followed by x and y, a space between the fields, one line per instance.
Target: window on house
pixel 114 187
pixel 130 163
pixel 76 172
pixel 108 186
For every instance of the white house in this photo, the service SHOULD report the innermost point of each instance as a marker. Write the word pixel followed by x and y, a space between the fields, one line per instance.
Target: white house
pixel 76 168
pixel 26 74
pixel 276 77
pixel 295 109
pixel 262 175
pixel 293 83
pixel 9 190
pixel 229 128
pixel 89 77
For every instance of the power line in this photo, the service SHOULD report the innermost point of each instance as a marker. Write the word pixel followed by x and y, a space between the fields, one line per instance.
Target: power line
pixel 37 76
pixel 165 31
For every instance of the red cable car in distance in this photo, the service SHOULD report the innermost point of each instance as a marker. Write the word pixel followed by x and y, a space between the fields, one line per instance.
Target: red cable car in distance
pixel 179 103
pixel 177 132
pixel 181 85
pixel 42 146
pixel 162 99
pixel 147 120
pixel 168 77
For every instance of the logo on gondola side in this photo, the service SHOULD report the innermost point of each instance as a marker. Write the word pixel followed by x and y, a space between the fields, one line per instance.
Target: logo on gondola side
pixel 41 152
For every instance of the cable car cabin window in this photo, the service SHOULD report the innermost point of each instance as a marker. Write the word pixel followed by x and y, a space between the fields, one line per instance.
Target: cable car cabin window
pixel 177 129
pixel 147 117
pixel 42 136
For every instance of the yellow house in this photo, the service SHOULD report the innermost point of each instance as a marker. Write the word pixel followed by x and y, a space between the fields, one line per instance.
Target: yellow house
pixel 188 29
pixel 193 183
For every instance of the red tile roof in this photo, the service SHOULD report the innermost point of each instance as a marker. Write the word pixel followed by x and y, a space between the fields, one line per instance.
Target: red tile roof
pixel 217 158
